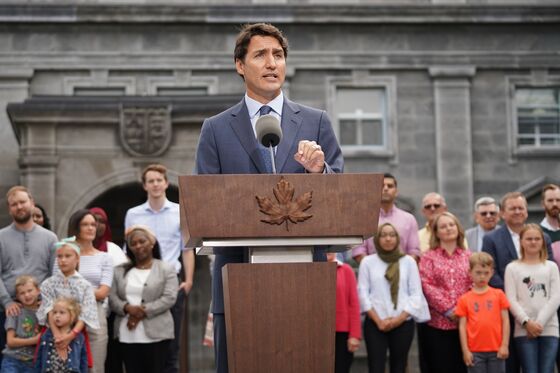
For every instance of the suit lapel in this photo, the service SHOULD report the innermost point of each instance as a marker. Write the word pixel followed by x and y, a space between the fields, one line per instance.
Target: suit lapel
pixel 508 240
pixel 241 125
pixel 291 123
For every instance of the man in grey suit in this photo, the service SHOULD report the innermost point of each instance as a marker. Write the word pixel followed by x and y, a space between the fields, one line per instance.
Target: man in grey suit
pixel 228 143
pixel 486 215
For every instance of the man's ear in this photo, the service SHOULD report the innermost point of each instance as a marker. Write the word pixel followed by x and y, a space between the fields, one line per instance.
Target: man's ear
pixel 240 67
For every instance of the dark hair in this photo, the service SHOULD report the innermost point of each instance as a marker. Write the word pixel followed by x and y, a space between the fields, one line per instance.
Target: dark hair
pixel 257 29
pixel 387 175
pixel 75 220
pixel 46 220
pixel 156 254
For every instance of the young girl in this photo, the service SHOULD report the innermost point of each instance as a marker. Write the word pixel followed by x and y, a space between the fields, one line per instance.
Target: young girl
pixel 53 358
pixel 532 286
pixel 67 282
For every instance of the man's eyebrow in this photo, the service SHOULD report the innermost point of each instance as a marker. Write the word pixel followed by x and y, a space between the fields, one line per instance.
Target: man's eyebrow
pixel 274 50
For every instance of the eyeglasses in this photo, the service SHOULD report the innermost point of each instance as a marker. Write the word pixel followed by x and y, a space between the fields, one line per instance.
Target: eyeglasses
pixel 391 234
pixel 488 213
pixel 434 206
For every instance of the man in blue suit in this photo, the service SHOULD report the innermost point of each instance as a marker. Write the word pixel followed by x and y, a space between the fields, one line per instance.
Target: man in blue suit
pixel 228 143
pixel 503 244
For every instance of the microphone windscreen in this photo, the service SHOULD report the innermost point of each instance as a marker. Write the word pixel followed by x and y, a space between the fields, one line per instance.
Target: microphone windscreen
pixel 269 131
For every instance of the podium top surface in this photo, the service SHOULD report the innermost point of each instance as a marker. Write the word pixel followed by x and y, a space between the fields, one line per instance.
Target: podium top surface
pixel 233 207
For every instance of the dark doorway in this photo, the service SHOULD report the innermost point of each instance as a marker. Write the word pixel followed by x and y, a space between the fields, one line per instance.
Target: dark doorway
pixel 117 200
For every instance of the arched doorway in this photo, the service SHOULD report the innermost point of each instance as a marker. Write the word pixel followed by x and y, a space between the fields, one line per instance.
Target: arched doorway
pixel 117 200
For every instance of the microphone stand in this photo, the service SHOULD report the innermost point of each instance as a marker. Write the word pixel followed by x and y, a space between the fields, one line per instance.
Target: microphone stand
pixel 271 150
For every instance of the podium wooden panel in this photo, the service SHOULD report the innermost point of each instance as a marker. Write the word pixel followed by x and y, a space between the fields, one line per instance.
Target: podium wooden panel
pixel 224 206
pixel 280 317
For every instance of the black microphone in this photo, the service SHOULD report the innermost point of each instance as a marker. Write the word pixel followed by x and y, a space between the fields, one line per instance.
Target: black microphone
pixel 269 133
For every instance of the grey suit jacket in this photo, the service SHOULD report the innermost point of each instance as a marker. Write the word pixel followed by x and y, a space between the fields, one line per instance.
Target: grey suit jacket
pixel 227 145
pixel 471 235
pixel 158 296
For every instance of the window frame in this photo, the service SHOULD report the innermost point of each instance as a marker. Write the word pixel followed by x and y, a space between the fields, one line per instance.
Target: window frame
pixel 538 80
pixel 366 81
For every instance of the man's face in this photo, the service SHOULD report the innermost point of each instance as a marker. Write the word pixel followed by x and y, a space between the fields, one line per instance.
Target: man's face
pixel 390 191
pixel 432 206
pixel 20 207
pixel 487 216
pixel 515 212
pixel 264 68
pixel 551 203
pixel 155 184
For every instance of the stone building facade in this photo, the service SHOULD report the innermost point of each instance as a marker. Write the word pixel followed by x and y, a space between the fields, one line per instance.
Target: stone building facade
pixel 459 97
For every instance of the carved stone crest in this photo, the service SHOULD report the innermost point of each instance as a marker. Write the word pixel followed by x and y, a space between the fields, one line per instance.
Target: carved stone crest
pixel 286 209
pixel 145 131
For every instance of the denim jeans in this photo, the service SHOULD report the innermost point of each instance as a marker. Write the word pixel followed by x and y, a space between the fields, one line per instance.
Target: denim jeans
pixel 537 355
pixel 11 365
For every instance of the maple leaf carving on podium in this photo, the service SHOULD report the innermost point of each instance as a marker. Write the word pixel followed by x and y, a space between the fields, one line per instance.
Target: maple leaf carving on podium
pixel 286 209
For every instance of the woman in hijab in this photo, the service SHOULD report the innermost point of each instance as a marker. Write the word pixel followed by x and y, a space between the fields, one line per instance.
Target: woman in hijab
pixel 103 237
pixel 391 295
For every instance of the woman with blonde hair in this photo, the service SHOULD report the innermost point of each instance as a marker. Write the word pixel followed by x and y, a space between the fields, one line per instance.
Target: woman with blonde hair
pixel 444 271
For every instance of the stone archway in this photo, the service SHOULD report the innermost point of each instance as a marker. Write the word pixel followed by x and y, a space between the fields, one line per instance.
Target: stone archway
pixel 117 200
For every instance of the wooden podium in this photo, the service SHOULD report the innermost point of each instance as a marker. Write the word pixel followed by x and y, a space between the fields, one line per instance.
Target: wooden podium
pixel 280 307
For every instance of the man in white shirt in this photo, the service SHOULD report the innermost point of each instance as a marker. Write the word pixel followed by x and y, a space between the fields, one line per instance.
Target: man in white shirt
pixel 163 217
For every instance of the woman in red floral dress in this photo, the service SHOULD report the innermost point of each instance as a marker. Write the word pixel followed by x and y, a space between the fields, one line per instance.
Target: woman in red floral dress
pixel 444 272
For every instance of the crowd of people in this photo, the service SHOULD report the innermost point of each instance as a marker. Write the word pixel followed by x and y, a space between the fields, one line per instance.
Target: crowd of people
pixel 481 300
pixel 484 300
pixel 84 304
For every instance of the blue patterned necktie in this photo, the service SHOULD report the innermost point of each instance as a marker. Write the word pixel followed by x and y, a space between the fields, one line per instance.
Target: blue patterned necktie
pixel 265 152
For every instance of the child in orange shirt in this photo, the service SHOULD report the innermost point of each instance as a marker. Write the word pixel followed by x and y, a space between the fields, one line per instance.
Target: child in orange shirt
pixel 483 320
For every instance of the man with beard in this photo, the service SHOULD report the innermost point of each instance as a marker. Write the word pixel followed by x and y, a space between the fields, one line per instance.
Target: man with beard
pixel 551 222
pixel 404 223
pixel 26 248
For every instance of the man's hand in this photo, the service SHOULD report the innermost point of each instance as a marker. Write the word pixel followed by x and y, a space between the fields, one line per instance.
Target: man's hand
pixel 13 309
pixel 310 156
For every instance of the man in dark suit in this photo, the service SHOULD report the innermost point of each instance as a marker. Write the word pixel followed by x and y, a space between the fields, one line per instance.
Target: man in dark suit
pixel 503 244
pixel 228 143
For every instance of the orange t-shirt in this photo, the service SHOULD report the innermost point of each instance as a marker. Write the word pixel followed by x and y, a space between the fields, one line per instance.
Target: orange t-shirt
pixel 484 319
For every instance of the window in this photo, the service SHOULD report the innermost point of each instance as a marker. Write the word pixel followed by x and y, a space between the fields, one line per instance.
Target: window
pixel 538 117
pixel 361 115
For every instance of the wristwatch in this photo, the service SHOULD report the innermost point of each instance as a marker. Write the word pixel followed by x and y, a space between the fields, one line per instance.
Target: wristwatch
pixel 524 323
